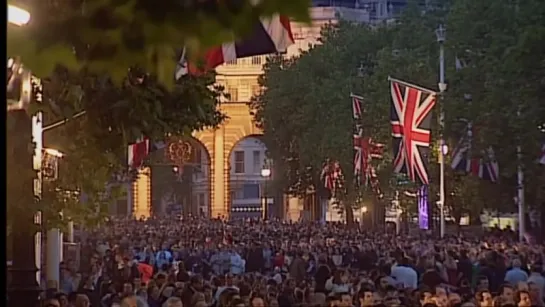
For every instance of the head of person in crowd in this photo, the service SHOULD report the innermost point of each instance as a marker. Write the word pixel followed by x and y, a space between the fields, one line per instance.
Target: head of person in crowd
pixel 51 302
pixel 174 302
pixel 365 297
pixel 82 300
pixel 523 298
pixel 484 298
pixel 133 301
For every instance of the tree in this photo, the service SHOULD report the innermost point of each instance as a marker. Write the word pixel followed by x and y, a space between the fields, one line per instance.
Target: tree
pixel 112 35
pixel 305 109
pixel 95 145
pixel 505 76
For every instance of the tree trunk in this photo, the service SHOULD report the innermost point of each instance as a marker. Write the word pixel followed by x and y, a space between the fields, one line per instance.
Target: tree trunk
pixel 457 215
pixel 542 221
pixel 349 214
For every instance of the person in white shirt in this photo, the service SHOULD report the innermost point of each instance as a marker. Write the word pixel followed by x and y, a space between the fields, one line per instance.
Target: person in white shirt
pixel 237 264
pixel 404 274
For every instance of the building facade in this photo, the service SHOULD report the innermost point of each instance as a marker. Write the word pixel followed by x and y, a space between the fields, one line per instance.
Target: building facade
pixel 248 188
pixel 232 156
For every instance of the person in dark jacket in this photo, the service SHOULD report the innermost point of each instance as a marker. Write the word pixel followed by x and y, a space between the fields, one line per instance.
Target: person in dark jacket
pixel 126 271
pixel 255 261
pixel 195 285
pixel 323 273
pixel 298 268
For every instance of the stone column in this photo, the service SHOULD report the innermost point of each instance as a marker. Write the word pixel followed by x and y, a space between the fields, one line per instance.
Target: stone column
pixel 71 231
pixel 218 177
pixel 130 200
pixel 142 194
pixel 53 255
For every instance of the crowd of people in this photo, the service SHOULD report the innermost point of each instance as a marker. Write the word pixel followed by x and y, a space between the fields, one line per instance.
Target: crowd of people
pixel 203 263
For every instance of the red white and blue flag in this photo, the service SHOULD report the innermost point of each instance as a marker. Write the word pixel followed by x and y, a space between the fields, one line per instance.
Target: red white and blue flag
pixel 485 167
pixel 270 35
pixel 137 152
pixel 365 149
pixel 410 117
pixel 360 161
pixel 332 177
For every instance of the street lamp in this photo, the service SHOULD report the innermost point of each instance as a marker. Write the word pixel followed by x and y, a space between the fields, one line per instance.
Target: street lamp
pixel 265 173
pixel 444 149
pixel 17 16
pixel 441 33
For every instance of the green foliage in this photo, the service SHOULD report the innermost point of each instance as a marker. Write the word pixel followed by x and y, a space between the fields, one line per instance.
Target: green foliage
pixel 305 107
pixel 505 75
pixel 113 35
pixel 95 144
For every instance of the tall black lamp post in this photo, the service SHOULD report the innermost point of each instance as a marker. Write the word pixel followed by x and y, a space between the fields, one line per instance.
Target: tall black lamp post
pixel 23 289
pixel 266 174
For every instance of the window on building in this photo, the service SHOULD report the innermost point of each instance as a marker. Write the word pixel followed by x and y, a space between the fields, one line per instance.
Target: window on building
pixel 237 194
pixel 251 191
pixel 257 161
pixel 239 162
pixel 233 93
pixel 256 60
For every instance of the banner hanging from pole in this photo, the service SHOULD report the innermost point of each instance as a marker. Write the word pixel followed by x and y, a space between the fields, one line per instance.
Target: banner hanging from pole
pixel 422 198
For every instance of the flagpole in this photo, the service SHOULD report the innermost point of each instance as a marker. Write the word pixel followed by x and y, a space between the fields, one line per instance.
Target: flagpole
pixel 441 33
pixel 423 89
pixel 520 189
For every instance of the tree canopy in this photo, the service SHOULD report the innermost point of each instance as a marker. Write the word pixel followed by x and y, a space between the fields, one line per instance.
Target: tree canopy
pixel 142 33
pixel 94 166
pixel 305 109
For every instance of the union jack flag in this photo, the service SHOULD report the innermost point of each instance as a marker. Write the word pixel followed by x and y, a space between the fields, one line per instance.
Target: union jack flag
pixel 410 117
pixel 137 152
pixel 486 167
pixel 326 177
pixel 332 176
pixel 364 148
pixel 359 160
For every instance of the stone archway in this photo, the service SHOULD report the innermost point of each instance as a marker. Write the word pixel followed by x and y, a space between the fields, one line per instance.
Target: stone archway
pixel 247 187
pixel 220 142
pixel 180 189
pixel 201 179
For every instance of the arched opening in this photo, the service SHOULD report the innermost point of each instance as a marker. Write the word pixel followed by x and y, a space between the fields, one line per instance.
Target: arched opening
pixel 180 178
pixel 249 184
